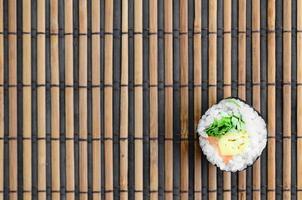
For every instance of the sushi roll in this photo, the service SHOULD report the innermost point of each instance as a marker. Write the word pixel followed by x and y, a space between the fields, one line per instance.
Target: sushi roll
pixel 232 135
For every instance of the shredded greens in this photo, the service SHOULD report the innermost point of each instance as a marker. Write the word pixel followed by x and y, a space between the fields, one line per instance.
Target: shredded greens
pixel 227 123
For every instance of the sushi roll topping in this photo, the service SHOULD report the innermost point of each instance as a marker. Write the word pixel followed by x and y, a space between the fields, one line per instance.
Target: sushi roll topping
pixel 228 135
pixel 233 143
pixel 225 124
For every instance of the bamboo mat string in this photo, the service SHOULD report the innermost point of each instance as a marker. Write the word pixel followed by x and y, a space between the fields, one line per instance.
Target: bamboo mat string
pixel 55 104
pixel 69 104
pixel 153 68
pixel 96 110
pixel 41 104
pixel 227 79
pixel 256 88
pixel 1 102
pixel 184 132
pixel 108 108
pixel 299 100
pixel 212 81
pixel 124 106
pixel 168 27
pixel 287 100
pixel 271 173
pixel 242 79
pixel 197 99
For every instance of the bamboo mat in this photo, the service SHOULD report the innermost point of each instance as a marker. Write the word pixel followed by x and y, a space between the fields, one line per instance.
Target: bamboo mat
pixel 101 99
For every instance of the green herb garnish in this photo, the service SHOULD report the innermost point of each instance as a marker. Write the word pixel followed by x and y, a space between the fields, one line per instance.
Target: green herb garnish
pixel 227 123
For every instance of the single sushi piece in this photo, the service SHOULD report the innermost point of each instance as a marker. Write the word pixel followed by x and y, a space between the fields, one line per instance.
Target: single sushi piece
pixel 232 134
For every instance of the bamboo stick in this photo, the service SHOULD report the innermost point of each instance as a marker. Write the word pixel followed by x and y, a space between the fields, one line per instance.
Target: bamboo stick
pixel 55 102
pixel 41 104
pixel 271 109
pixel 197 99
pixel 69 106
pixel 212 81
pixel 299 100
pixel 153 101
pixel 96 117
pixel 1 102
pixel 124 107
pixel 168 27
pixel 256 87
pixel 138 98
pixel 83 100
pixel 242 79
pixel 108 100
pixel 12 39
pixel 227 77
pixel 184 132
pixel 27 169
pixel 287 100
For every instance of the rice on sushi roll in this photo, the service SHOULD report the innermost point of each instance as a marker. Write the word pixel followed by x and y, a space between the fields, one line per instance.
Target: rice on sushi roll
pixel 232 135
